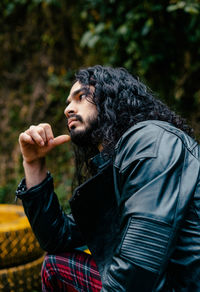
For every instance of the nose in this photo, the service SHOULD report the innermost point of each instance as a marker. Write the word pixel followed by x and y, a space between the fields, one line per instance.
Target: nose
pixel 69 110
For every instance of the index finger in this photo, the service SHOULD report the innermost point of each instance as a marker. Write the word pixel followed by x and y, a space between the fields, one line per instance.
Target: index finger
pixel 48 131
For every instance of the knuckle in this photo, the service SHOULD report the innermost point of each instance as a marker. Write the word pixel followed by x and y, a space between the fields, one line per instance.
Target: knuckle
pixel 31 130
pixel 32 127
pixel 20 136
pixel 27 132
pixel 44 125
pixel 40 129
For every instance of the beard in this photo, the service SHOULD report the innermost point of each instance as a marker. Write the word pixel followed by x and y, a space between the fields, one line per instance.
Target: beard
pixel 84 138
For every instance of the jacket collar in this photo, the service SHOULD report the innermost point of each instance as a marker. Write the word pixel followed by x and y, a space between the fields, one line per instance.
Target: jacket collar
pixel 101 161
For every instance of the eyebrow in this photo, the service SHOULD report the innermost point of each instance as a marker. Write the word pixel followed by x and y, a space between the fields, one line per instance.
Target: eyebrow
pixel 76 92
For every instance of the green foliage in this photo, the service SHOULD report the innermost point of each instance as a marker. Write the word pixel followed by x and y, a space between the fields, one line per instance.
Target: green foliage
pixel 62 192
pixel 43 42
pixel 157 41
pixel 192 7
pixel 9 7
pixel 7 192
pixel 38 59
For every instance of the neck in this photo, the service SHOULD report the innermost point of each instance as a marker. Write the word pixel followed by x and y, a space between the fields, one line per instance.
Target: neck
pixel 100 147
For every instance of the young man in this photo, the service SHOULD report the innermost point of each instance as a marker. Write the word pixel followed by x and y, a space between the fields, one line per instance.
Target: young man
pixel 138 210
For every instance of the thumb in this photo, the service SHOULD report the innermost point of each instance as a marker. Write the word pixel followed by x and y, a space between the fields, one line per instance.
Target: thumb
pixel 61 140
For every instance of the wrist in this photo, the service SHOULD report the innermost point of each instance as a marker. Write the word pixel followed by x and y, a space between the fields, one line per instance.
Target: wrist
pixel 35 172
pixel 23 192
pixel 37 163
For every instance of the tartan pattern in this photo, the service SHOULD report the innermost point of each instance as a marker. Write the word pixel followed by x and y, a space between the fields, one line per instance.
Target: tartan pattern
pixel 71 271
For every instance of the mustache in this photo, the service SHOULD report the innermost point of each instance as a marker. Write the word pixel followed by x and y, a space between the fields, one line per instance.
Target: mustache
pixel 77 117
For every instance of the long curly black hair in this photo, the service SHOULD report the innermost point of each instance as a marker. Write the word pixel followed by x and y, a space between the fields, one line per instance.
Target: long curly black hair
pixel 122 101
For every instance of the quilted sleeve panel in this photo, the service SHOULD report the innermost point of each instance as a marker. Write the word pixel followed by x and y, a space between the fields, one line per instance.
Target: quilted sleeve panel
pixel 145 243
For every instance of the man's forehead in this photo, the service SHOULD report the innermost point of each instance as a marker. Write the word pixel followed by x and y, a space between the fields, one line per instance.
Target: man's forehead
pixel 77 87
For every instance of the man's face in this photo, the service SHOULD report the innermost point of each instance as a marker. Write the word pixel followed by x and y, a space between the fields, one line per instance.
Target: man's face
pixel 81 113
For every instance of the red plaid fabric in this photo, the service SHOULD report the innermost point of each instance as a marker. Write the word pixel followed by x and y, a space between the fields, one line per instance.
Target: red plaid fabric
pixel 72 271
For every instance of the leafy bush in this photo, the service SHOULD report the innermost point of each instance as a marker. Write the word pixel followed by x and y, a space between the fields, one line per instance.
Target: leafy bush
pixel 43 42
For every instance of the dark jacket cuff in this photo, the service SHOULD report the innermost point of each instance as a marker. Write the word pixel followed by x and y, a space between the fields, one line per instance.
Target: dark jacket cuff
pixel 24 194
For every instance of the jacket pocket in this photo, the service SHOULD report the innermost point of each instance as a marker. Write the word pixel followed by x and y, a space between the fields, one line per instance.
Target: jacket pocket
pixel 145 243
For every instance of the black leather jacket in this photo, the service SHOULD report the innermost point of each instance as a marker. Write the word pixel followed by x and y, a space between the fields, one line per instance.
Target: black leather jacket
pixel 139 216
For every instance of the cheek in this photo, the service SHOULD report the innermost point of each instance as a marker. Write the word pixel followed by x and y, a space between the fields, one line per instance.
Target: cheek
pixel 94 111
pixel 93 115
pixel 88 112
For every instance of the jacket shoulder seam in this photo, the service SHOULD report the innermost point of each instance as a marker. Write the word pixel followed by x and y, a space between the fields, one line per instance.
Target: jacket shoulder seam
pixel 148 154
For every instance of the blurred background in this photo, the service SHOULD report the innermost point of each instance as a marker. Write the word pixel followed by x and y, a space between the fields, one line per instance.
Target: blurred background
pixel 43 42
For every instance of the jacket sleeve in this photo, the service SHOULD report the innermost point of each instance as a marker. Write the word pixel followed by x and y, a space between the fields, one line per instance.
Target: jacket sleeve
pixel 55 231
pixel 153 190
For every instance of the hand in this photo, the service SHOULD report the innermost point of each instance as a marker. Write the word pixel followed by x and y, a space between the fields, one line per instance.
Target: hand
pixel 37 141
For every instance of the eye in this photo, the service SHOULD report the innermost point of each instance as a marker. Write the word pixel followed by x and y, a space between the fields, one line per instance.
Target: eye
pixel 81 96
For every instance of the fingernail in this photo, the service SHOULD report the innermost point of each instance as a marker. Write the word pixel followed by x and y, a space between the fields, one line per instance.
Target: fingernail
pixel 42 143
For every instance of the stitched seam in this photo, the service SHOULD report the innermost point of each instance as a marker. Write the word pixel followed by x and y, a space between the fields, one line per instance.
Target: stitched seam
pixel 182 140
pixel 150 154
pixel 143 254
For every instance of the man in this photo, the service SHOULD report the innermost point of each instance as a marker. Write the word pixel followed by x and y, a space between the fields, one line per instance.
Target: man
pixel 138 210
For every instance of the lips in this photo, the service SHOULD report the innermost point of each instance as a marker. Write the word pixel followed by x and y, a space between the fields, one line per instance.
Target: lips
pixel 71 121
